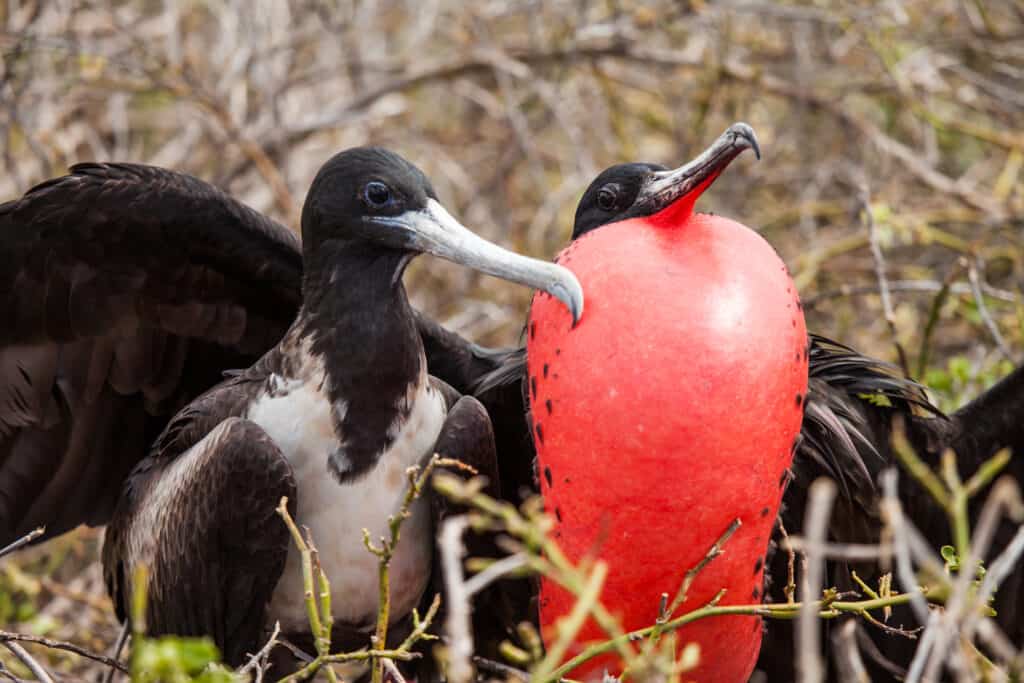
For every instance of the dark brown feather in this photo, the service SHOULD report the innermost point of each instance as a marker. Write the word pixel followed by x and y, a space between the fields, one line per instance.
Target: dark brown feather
pixel 126 291
pixel 229 545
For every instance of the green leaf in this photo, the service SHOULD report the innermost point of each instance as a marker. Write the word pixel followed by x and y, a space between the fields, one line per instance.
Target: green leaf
pixel 960 369
pixel 938 379
pixel 878 400
pixel 173 659
pixel 948 553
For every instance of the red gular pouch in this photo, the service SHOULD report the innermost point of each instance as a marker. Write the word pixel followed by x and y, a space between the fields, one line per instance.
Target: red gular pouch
pixel 668 411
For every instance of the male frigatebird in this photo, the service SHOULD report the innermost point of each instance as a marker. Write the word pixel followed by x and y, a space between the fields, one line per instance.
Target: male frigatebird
pixel 671 410
pixel 845 435
pixel 331 417
pixel 848 393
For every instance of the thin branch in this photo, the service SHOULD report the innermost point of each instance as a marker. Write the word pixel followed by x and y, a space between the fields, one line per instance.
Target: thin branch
pixel 23 541
pixel 491 666
pixel 571 624
pixel 883 281
pixel 938 301
pixel 665 610
pixel 460 634
pixel 716 549
pixel 495 571
pixel 122 639
pixel 851 665
pixel 790 588
pixel 986 317
pixel 9 637
pixel 909 286
pixel 819 509
pixel 28 660
pixel 258 662
pixel 857 552
pixel 825 610
pixel 392 669
pixel 1001 567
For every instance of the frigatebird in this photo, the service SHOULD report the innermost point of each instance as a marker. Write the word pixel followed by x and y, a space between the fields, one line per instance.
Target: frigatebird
pixel 847 395
pixel 648 451
pixel 126 291
pixel 331 417
pixel 851 405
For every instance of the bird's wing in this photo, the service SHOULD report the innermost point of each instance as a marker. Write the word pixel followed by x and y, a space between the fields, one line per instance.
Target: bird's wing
pixel 504 392
pixel 990 422
pixel 199 513
pixel 125 291
pixel 509 368
pixel 847 429
pixel 457 361
pixel 467 436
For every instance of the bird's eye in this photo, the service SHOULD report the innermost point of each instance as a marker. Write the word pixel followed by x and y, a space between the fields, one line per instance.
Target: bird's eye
pixel 377 194
pixel 607 197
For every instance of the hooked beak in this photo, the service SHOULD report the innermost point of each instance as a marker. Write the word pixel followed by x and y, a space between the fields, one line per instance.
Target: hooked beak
pixel 435 231
pixel 664 188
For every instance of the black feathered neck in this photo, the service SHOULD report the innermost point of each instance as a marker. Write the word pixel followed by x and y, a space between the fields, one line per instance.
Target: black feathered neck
pixel 357 321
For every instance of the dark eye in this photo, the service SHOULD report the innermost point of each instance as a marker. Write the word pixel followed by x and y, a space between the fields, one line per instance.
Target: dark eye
pixel 377 194
pixel 607 197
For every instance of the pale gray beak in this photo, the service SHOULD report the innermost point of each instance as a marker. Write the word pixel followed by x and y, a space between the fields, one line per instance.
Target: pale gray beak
pixel 435 231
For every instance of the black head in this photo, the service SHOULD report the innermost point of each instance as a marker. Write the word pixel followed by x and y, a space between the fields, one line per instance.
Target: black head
pixel 611 196
pixel 377 211
pixel 639 190
pixel 359 184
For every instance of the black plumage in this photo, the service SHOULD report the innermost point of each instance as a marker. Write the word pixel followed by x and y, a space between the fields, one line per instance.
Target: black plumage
pixel 127 290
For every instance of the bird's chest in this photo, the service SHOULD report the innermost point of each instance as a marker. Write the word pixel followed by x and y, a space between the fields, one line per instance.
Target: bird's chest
pixel 302 421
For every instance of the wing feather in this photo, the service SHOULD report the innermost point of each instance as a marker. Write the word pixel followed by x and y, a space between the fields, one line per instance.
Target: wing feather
pixel 126 291
pixel 205 525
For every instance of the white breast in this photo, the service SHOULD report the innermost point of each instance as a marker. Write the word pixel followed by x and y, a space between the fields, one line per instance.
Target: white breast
pixel 300 421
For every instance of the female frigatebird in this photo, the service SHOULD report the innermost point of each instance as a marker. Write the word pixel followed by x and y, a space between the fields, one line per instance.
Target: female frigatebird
pixel 331 417
pixel 126 291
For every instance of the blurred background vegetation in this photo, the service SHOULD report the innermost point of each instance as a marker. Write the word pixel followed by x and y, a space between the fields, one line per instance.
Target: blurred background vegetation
pixel 893 139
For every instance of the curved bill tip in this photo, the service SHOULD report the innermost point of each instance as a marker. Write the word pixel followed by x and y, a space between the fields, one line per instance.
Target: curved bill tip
pixel 743 136
pixel 567 289
pixel 663 189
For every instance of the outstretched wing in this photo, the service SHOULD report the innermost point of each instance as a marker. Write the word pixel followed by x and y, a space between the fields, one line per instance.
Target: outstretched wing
pixel 125 291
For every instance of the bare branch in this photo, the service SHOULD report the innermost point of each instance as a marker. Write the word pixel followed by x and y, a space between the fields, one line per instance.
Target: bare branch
pixel 819 508
pixel 986 317
pixel 460 634
pixel 28 660
pixel 8 637
pixel 23 541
